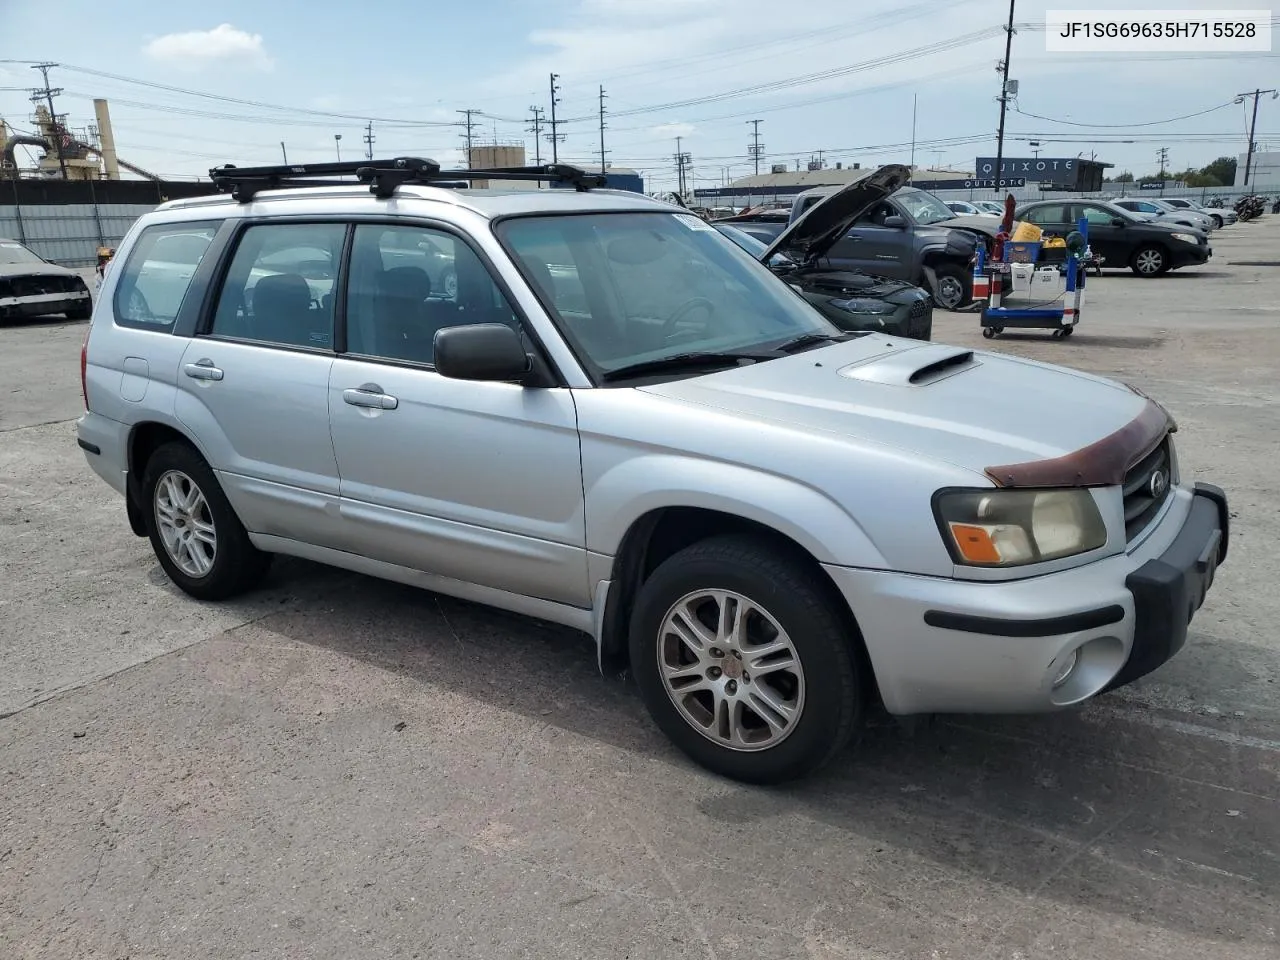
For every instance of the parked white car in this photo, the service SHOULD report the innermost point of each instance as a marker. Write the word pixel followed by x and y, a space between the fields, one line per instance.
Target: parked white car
pixel 624 423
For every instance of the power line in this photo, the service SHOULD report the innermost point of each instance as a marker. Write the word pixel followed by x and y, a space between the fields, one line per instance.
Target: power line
pixel 1128 126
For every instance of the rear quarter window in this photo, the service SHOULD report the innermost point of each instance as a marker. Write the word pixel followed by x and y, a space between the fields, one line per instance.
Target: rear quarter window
pixel 158 273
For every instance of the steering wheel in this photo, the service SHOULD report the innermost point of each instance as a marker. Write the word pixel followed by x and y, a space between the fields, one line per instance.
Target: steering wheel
pixel 669 331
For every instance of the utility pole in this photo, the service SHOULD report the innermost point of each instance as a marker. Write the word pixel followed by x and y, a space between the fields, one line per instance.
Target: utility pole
pixel 58 131
pixel 368 140
pixel 1163 156
pixel 914 103
pixel 1004 95
pixel 284 154
pixel 467 135
pixel 535 127
pixel 756 150
pixel 1253 125
pixel 682 163
pixel 602 150
pixel 555 136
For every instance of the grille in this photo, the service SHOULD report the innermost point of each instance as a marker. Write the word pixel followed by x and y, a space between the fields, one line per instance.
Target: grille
pixel 1143 497
pixel 34 286
pixel 920 319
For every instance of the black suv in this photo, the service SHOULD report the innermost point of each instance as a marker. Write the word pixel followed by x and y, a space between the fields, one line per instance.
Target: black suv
pixel 1149 248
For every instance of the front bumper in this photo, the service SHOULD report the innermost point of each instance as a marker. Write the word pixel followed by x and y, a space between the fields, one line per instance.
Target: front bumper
pixel 38 305
pixel 1188 256
pixel 951 646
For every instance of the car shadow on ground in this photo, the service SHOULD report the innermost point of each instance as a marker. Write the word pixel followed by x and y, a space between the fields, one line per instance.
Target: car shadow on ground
pixel 1079 339
pixel 1114 807
pixel 49 320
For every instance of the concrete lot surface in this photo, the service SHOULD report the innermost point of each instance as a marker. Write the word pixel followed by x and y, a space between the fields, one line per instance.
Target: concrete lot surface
pixel 337 767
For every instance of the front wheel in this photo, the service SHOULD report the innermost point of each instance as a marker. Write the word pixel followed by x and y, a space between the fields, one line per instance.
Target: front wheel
pixel 744 662
pixel 195 533
pixel 952 287
pixel 1149 261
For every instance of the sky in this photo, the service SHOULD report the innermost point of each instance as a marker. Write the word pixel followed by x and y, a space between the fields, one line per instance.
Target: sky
pixel 202 84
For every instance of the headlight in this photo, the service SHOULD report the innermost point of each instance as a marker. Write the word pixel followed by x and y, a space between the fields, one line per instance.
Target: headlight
pixel 1187 238
pixel 1008 528
pixel 856 305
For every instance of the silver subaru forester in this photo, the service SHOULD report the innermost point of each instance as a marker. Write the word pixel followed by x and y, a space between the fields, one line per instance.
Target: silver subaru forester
pixel 590 407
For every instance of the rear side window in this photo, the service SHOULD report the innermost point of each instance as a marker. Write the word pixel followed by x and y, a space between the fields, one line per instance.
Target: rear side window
pixel 280 285
pixel 158 273
pixel 1050 213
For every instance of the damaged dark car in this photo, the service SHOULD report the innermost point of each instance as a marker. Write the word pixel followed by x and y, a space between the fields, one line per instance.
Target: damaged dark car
pixel 30 286
pixel 851 298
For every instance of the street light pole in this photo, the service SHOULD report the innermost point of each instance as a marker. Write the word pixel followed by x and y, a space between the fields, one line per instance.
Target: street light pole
pixel 337 145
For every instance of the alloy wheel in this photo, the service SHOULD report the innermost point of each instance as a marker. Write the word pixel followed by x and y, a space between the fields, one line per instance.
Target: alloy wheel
pixel 731 670
pixel 1149 261
pixel 950 292
pixel 185 523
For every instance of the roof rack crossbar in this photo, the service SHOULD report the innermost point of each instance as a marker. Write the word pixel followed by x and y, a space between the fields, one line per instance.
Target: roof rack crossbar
pixel 383 176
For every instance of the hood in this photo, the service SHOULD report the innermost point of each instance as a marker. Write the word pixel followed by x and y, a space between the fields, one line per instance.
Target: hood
pixel 815 231
pixel 34 270
pixel 971 409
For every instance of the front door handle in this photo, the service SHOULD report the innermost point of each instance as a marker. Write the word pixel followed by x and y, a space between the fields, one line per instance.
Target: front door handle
pixel 369 395
pixel 202 370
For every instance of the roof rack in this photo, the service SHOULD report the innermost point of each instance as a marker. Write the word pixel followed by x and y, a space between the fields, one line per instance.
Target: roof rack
pixel 383 176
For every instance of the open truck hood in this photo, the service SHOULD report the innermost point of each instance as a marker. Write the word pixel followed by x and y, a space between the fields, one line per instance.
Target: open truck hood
pixel 816 230
pixel 975 410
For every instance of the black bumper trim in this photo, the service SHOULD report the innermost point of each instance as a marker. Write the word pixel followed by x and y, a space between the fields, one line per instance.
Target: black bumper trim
pixel 1046 627
pixel 1168 590
pixel 91 447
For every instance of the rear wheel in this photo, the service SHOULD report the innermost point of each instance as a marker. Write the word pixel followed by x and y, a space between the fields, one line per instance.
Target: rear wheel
pixel 1217 222
pixel 744 662
pixel 196 535
pixel 1149 261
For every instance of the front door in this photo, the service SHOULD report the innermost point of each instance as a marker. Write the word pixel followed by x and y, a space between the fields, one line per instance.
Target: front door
pixel 874 248
pixel 254 386
pixel 1105 238
pixel 478 482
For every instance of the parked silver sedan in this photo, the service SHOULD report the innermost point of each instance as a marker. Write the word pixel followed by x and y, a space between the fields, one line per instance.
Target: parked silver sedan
pixel 624 423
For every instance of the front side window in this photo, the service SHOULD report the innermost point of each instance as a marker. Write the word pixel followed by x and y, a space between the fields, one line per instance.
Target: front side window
pixel 923 207
pixel 279 287
pixel 158 273
pixel 629 288
pixel 407 282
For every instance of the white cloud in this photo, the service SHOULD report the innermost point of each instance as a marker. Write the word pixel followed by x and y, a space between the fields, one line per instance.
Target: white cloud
pixel 673 130
pixel 199 48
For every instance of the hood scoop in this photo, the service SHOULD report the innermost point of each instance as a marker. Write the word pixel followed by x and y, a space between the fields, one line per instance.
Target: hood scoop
pixel 912 367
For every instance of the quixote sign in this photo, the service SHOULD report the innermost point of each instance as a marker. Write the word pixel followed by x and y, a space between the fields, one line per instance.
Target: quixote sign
pixel 1057 170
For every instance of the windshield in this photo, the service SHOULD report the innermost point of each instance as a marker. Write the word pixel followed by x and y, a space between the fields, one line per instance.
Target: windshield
pixel 924 207
pixel 752 245
pixel 629 288
pixel 11 252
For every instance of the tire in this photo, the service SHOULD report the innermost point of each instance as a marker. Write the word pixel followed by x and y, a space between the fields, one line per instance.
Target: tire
pixel 231 564
pixel 1149 261
pixel 954 287
pixel 449 284
pixel 825 681
pixel 1217 222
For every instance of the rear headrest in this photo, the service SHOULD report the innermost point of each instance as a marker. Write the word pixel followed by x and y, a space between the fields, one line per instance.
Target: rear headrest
pixel 405 283
pixel 282 293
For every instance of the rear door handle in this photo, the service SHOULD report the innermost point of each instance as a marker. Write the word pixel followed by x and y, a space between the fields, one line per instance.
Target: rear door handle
pixel 202 370
pixel 370 395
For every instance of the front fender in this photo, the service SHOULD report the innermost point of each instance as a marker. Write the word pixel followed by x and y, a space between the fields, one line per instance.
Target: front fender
pixel 636 486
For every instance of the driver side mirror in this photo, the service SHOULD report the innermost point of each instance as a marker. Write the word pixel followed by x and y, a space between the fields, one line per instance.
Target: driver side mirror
pixel 481 351
pixel 895 221
pixel 1118 221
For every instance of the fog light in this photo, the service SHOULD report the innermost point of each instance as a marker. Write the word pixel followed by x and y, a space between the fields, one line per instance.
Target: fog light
pixel 1068 665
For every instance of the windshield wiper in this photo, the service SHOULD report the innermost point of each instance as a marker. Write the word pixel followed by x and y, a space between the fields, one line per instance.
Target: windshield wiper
pixel 680 361
pixel 806 340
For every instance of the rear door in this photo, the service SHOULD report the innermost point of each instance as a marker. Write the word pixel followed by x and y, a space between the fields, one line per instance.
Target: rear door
pixel 253 386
